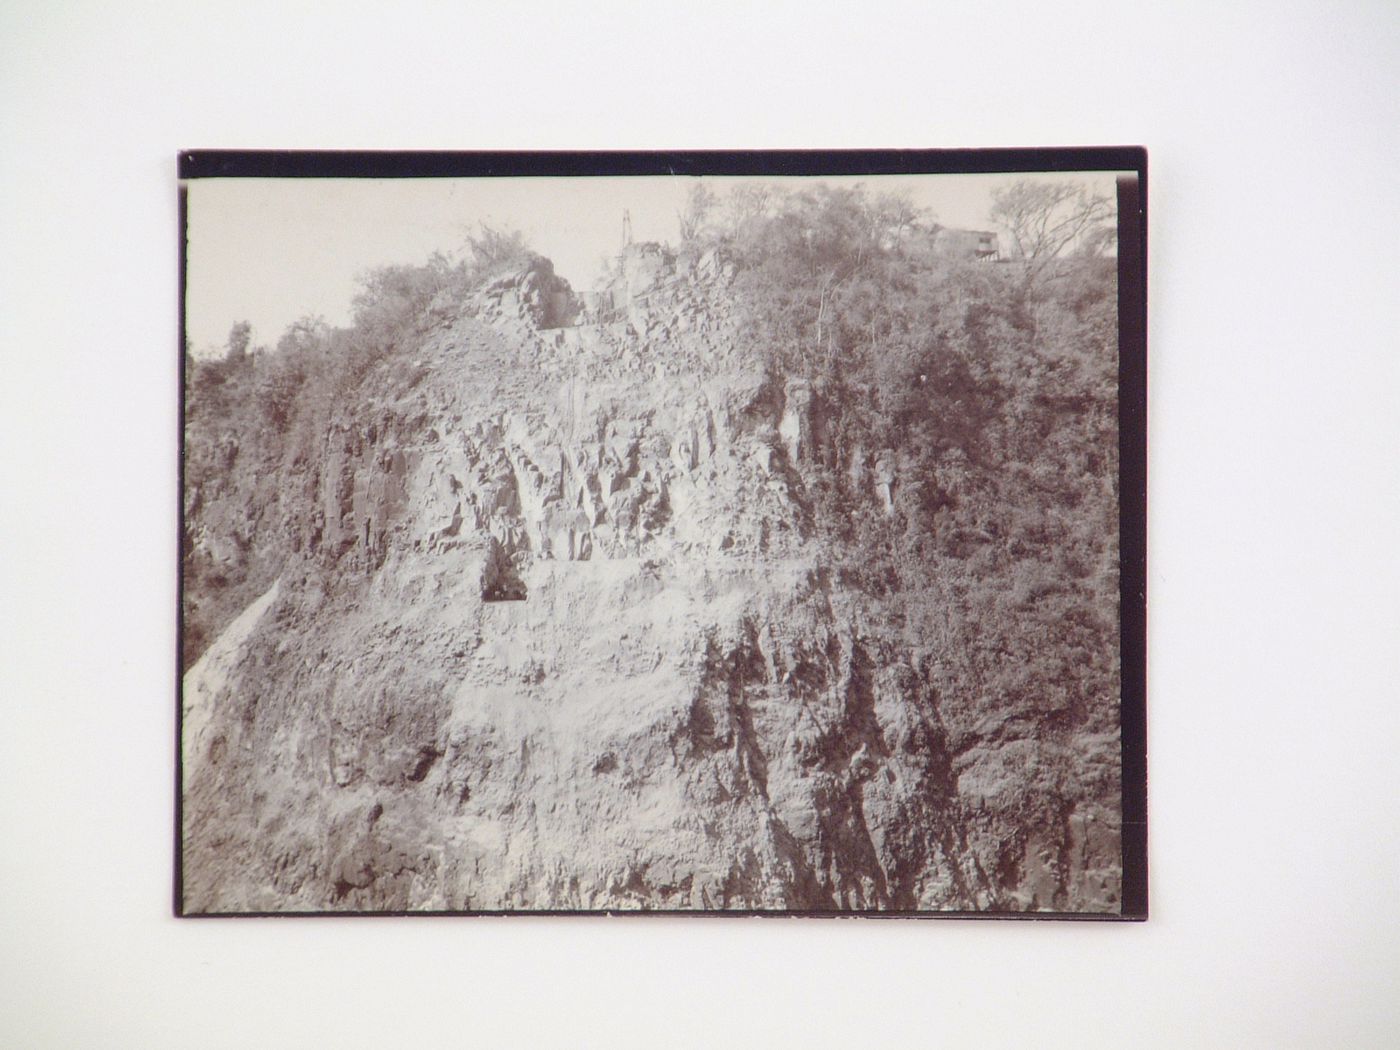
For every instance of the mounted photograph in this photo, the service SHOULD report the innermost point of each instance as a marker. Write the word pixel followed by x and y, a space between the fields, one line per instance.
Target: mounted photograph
pixel 716 533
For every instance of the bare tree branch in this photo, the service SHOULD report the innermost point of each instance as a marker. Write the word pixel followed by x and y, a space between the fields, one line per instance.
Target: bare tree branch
pixel 1045 219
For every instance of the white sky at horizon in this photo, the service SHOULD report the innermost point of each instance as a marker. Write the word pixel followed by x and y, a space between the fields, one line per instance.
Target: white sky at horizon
pixel 271 251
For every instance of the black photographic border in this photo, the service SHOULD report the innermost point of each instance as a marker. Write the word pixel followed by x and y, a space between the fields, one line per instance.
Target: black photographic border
pixel 1132 420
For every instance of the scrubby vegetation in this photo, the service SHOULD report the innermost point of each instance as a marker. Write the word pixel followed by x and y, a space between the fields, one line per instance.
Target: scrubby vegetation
pixel 993 387
pixel 256 419
pixel 876 469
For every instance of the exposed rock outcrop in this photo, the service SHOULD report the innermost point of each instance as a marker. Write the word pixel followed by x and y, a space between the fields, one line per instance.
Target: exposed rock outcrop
pixel 552 631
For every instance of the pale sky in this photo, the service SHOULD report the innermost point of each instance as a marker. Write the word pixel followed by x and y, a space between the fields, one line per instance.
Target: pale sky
pixel 270 251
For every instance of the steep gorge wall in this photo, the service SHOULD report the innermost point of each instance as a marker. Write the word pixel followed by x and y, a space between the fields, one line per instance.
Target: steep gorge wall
pixel 552 631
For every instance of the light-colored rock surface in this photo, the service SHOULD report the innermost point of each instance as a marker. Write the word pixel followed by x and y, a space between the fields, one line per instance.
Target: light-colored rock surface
pixel 554 633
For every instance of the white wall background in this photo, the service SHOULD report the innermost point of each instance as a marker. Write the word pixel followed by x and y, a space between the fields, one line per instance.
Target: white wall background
pixel 1274 131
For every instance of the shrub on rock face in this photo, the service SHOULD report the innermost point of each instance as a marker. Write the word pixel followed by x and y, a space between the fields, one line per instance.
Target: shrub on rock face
pixel 500 577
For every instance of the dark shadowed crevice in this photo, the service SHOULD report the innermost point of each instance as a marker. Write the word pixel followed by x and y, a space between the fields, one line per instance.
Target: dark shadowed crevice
pixel 427 758
pixel 501 582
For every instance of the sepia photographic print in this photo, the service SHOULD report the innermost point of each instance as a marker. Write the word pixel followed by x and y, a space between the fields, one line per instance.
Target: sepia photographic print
pixel 706 533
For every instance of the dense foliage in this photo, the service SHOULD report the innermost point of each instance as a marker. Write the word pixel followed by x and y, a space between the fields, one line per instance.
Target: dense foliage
pixel 992 386
pixel 989 389
pixel 256 420
pixel 941 698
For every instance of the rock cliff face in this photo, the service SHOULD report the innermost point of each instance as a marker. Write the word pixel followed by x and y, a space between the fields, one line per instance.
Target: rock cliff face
pixel 550 629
